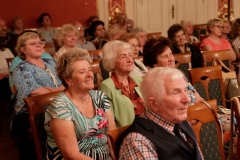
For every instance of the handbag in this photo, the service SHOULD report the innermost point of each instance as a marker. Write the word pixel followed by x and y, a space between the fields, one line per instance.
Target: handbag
pixel 229 79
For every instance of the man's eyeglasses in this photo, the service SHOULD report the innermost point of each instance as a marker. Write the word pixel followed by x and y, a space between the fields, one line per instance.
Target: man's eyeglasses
pixel 81 28
pixel 219 27
pixel 134 45
pixel 42 43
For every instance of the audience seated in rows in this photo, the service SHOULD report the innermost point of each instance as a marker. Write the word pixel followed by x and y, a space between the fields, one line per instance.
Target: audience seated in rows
pixel 188 26
pixel 78 118
pixel 82 43
pixel 157 53
pixel 121 89
pixel 97 31
pixel 213 42
pixel 163 131
pixel 33 76
pixel 142 38
pixel 139 68
pixel 236 42
pixel 67 39
pixel 177 35
pixel 47 33
pixel 17 25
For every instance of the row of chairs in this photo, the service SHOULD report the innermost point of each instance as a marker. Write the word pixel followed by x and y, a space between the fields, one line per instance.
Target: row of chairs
pixel 206 128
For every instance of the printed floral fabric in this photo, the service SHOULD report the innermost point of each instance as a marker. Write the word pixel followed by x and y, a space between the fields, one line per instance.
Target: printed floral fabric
pixel 27 77
pixel 90 132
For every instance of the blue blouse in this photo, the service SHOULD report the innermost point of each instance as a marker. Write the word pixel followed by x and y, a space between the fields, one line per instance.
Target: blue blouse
pixel 27 77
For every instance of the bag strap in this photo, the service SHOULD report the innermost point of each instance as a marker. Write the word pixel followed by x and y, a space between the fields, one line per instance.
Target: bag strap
pixel 216 117
pixel 216 59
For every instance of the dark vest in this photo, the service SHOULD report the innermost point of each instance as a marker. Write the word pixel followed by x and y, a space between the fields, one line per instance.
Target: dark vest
pixel 167 145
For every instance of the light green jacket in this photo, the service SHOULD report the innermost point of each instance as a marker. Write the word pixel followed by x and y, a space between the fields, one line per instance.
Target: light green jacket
pixel 121 106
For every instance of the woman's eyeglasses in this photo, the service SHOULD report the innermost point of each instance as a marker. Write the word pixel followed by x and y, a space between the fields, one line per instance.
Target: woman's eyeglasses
pixel 219 27
pixel 42 43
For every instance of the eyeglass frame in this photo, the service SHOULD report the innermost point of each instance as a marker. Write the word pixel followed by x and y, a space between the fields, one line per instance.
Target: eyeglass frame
pixel 219 27
pixel 42 43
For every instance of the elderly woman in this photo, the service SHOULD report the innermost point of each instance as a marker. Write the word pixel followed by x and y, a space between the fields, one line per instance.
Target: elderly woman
pixel 176 33
pixel 47 32
pixel 188 26
pixel 121 89
pixel 236 42
pixel 213 42
pixel 17 25
pixel 33 76
pixel 115 32
pixel 84 113
pixel 97 31
pixel 67 39
pixel 139 68
pixel 142 38
pixel 158 53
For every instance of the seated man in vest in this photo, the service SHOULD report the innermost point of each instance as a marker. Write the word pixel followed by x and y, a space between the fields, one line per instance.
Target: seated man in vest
pixel 162 132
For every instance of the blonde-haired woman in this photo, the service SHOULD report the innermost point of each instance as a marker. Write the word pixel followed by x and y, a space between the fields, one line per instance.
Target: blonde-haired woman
pixel 78 118
pixel 213 42
pixel 115 32
pixel 67 38
pixel 121 89
pixel 33 76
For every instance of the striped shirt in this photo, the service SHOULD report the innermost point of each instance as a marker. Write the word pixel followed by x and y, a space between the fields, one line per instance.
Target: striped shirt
pixel 3 63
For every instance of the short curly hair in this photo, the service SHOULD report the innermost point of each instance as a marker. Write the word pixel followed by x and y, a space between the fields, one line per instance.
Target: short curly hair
pixel 126 37
pixel 64 67
pixel 93 27
pixel 40 19
pixel 26 35
pixel 174 29
pixel 153 48
pixel 110 51
pixel 65 29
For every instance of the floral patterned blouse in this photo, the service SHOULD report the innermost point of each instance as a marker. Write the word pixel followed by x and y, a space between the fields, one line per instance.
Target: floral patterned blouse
pixel 90 132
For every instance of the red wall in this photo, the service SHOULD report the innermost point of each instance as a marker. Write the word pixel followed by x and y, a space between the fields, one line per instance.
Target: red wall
pixel 61 11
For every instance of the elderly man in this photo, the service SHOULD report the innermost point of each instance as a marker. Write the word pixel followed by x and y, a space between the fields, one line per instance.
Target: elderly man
pixel 7 40
pixel 162 132
pixel 82 43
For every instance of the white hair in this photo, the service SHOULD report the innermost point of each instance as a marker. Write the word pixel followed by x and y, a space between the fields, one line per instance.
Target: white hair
pixel 153 84
pixel 110 51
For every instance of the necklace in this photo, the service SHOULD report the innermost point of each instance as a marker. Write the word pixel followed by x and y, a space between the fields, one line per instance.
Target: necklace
pixel 81 101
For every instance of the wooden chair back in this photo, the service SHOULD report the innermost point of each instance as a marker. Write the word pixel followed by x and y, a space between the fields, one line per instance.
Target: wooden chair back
pixel 207 130
pixel 113 137
pixel 140 58
pixel 200 29
pixel 236 109
pixel 183 62
pixel 9 61
pixel 46 48
pixel 37 106
pixel 56 45
pixel 208 83
pixel 223 55
pixel 155 35
pixel 97 74
pixel 96 54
